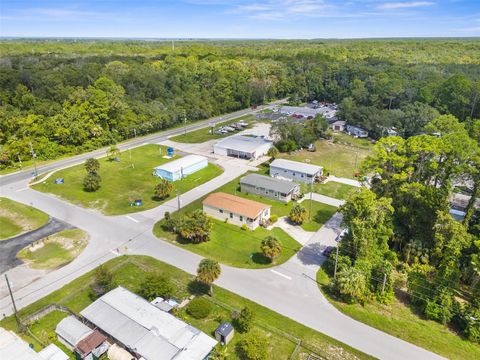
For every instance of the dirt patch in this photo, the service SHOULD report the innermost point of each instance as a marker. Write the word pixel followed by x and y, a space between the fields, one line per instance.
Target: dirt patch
pixel 19 219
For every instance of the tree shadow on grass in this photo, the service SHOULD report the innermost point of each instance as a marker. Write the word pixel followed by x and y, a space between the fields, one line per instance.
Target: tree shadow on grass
pixel 196 287
pixel 259 258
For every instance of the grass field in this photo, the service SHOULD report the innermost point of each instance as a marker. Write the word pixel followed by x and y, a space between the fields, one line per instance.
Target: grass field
pixel 122 183
pixel 341 157
pixel 16 218
pixel 334 189
pixel 205 134
pixel 400 320
pixel 56 250
pixel 130 271
pixel 233 246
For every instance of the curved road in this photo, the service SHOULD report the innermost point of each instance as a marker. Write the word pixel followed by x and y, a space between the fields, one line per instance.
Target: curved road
pixel 289 289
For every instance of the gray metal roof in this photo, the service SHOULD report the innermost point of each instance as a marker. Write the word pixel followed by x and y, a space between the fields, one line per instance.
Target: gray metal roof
pixel 72 330
pixel 296 166
pixel 224 329
pixel 267 182
pixel 145 329
pixel 242 143
pixel 12 347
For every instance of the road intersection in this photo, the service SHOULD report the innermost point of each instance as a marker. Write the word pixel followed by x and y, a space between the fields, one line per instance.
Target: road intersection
pixel 290 289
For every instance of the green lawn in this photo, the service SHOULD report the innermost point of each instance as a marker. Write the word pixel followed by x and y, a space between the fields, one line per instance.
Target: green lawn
pixel 333 189
pixel 130 271
pixel 122 183
pixel 56 250
pixel 233 246
pixel 341 157
pixel 400 320
pixel 205 134
pixel 320 212
pixel 16 218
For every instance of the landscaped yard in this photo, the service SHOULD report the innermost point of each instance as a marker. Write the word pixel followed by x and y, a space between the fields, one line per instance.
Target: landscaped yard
pixel 123 182
pixel 16 218
pixel 400 320
pixel 130 271
pixel 233 246
pixel 333 189
pixel 341 157
pixel 205 134
pixel 56 250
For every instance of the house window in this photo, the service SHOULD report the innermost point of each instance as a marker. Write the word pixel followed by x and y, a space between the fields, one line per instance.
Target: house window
pixel 303 175
pixel 231 215
pixel 293 174
pixel 220 211
pixel 241 218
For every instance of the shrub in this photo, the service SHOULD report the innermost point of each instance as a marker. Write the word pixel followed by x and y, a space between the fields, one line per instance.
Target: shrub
pixel 253 346
pixel 103 281
pixel 273 219
pixel 156 285
pixel 343 263
pixel 163 189
pixel 298 214
pixel 271 248
pixel 441 307
pixel 244 227
pixel 92 165
pixel 351 285
pixel 244 321
pixel 199 308
pixel 195 227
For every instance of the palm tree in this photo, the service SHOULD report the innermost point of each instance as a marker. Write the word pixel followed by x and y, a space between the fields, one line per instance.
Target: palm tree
pixel 271 248
pixel 207 272
pixel 351 283
pixel 113 152
pixel 272 152
pixel 91 182
pixel 163 189
pixel 298 214
pixel 92 165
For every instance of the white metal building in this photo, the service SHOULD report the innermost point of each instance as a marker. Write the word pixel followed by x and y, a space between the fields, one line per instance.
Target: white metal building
pixel 12 347
pixel 146 330
pixel 70 331
pixel 178 169
pixel 294 170
pixel 53 352
pixel 244 147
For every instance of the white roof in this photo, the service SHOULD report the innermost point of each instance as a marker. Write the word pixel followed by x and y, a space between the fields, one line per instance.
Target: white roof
pixel 53 352
pixel 72 330
pixel 296 166
pixel 12 347
pixel 184 162
pixel 247 144
pixel 146 329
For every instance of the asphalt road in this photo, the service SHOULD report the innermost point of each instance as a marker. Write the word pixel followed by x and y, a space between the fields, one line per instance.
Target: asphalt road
pixel 153 138
pixel 289 289
pixel 9 248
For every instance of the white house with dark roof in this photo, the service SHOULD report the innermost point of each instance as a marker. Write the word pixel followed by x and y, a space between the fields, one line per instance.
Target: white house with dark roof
pixel 272 188
pixel 294 170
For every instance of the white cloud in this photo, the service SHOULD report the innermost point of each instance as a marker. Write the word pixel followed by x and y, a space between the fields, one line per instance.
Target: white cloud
pixel 405 5
pixel 61 13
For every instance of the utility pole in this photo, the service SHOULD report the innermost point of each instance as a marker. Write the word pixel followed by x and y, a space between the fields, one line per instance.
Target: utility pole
pixel 336 261
pixel 384 282
pixel 173 45
pixel 34 156
pixel 134 132
pixel 20 161
pixel 310 205
pixel 13 303
pixel 178 199
pixel 184 122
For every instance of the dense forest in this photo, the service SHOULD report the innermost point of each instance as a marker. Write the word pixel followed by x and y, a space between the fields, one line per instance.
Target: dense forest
pixel 65 97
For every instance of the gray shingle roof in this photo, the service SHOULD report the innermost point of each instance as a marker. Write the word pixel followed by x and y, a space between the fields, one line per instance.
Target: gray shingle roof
pixel 269 183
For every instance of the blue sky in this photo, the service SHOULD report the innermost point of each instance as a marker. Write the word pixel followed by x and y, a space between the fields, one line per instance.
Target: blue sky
pixel 240 18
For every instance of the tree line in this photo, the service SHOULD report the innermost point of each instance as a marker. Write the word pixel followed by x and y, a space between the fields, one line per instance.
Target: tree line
pixel 67 97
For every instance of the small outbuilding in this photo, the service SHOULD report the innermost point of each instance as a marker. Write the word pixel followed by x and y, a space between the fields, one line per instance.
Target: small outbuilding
pixel 93 346
pixel 338 126
pixel 357 131
pixel 180 168
pixel 276 189
pixel 244 147
pixel 53 352
pixel 294 170
pixel 224 333
pixel 70 331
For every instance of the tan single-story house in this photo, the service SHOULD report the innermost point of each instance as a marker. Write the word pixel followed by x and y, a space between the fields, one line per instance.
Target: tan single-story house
pixel 236 210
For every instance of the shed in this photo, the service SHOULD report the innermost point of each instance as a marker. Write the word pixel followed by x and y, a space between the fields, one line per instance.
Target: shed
pixel 244 147
pixel 95 344
pixel 13 347
pixel 224 333
pixel 53 352
pixel 178 169
pixel 338 125
pixel 71 331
